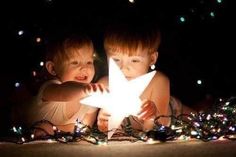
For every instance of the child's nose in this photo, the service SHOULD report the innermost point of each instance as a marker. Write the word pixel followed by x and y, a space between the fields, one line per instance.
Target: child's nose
pixel 124 65
pixel 83 66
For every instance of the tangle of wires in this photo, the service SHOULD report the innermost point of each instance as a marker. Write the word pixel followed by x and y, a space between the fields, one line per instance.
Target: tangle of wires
pixel 220 121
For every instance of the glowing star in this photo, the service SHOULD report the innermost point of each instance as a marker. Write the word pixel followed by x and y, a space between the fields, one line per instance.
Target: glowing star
pixel 123 97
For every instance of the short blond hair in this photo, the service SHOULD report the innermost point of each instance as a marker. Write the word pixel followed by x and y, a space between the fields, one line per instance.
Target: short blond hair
pixel 62 50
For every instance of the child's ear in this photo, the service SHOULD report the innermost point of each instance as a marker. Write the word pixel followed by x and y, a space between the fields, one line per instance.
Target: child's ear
pixel 154 57
pixel 50 68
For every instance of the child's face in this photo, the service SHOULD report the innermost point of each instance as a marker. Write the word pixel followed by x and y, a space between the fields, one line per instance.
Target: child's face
pixel 79 68
pixel 134 65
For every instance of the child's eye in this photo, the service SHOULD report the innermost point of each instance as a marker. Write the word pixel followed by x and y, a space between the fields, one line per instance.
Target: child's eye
pixel 135 60
pixel 90 62
pixel 116 59
pixel 74 62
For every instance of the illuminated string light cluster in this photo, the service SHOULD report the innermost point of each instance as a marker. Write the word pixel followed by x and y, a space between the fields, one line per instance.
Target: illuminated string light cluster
pixel 216 124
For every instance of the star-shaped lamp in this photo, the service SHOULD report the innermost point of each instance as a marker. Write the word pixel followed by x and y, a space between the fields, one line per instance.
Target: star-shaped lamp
pixel 123 97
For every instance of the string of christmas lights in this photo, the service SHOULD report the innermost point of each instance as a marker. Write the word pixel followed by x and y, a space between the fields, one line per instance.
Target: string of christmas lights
pixel 219 122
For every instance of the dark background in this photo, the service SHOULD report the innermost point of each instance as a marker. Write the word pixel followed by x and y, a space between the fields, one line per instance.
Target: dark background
pixel 201 48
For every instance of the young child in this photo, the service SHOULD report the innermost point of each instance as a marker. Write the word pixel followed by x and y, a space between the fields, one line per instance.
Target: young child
pixel 70 62
pixel 133 46
pixel 134 49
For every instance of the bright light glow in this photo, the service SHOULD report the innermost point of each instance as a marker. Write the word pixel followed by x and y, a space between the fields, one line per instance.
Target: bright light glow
pixel 123 99
pixel 34 73
pixel 22 139
pixel 131 1
pixel 183 137
pixel 38 39
pixel 199 82
pixel 14 129
pixel 95 55
pixel 102 143
pixel 221 138
pixel 212 14
pixel 21 32
pixel 150 141
pixel 17 84
pixel 41 63
pixel 193 132
pixel 182 19
pixel 54 128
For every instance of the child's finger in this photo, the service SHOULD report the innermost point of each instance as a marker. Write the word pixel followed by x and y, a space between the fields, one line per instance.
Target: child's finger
pixel 147 105
pixel 141 115
pixel 102 125
pixel 103 116
pixel 144 102
pixel 94 87
pixel 87 89
pixel 148 110
pixel 101 87
pixel 147 115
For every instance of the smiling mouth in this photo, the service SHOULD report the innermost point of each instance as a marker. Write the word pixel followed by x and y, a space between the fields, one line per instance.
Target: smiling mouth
pixel 81 78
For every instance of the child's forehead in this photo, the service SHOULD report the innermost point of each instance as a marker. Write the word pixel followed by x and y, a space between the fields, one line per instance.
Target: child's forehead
pixel 83 51
pixel 136 52
pixel 80 54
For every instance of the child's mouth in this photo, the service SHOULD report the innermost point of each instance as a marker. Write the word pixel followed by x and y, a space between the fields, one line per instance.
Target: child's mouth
pixel 81 78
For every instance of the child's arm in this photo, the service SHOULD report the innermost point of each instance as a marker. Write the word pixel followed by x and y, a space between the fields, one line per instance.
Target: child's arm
pixel 102 118
pixel 73 92
pixel 69 91
pixel 159 95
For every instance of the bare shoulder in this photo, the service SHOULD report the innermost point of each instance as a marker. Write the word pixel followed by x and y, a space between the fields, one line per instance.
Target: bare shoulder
pixel 158 91
pixel 160 78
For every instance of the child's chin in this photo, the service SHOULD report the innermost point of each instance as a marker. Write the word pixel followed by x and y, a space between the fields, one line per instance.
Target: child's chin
pixel 129 78
pixel 82 81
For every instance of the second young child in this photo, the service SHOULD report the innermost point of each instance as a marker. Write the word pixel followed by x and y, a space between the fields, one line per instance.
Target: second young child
pixel 133 46
pixel 70 63
pixel 134 49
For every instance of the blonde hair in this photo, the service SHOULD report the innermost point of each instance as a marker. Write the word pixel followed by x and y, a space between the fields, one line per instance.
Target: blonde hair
pixel 63 50
pixel 128 38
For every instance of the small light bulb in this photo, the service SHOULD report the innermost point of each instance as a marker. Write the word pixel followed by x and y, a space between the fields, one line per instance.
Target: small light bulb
pixel 17 84
pixel 199 82
pixel 131 1
pixel 20 32
pixel 41 63
pixel 38 39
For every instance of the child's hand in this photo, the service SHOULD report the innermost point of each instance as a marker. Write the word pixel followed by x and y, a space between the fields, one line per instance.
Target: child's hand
pixel 90 88
pixel 102 120
pixel 148 110
pixel 95 87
